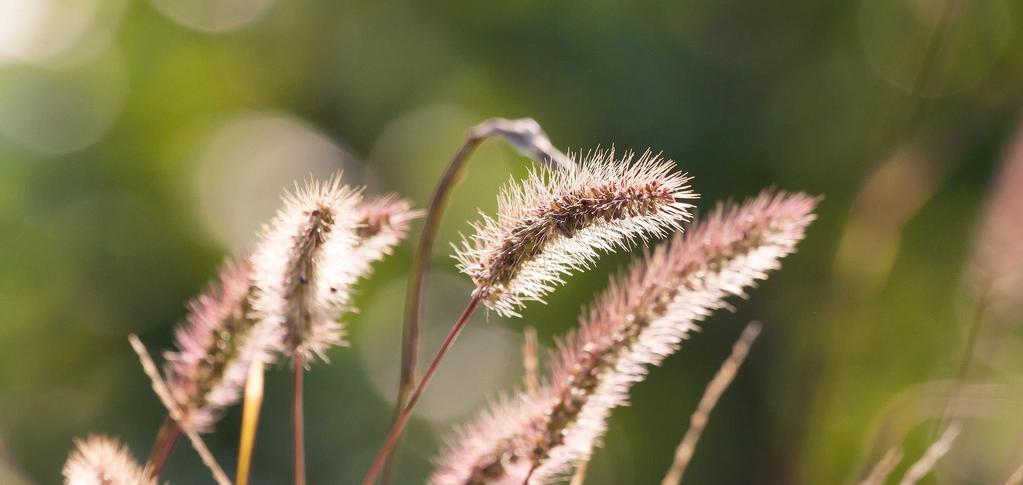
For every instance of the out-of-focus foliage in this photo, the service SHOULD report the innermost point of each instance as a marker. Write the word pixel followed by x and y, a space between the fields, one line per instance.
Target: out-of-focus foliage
pixel 142 141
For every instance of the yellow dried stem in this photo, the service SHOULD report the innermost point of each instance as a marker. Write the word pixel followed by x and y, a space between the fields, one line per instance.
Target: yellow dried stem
pixel 250 420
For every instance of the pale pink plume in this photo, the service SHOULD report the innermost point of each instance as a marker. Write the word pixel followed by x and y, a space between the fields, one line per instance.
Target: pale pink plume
pixel 216 346
pixel 383 223
pixel 559 221
pixel 639 320
pixel 996 270
pixel 102 460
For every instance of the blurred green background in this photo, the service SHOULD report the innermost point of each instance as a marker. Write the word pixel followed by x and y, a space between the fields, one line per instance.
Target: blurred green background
pixel 143 141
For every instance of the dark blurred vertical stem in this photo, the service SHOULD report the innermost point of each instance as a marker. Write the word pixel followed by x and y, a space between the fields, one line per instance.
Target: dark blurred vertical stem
pixel 926 70
pixel 527 136
pixel 972 333
pixel 297 421
pixel 934 49
pixel 166 438
pixel 901 118
pixel 971 341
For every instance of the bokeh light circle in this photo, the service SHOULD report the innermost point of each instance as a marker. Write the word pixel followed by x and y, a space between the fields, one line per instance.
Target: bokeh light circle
pixel 954 44
pixel 249 160
pixel 459 388
pixel 213 15
pixel 59 112
pixel 56 33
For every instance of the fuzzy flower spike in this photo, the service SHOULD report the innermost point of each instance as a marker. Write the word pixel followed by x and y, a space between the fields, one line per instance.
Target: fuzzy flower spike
pixel 641 318
pixel 220 339
pixel 101 460
pixel 304 267
pixel 216 346
pixel 560 221
pixel 383 223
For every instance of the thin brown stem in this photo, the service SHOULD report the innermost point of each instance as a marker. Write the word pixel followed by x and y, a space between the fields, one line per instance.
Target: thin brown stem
pixel 297 425
pixel 166 438
pixel 717 387
pixel 529 475
pixel 399 424
pixel 928 64
pixel 527 136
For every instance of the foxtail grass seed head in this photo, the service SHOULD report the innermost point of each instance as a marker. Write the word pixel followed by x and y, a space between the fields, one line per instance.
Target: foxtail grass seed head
pixel 101 460
pixel 556 222
pixel 215 347
pixel 303 267
pixel 383 223
pixel 638 321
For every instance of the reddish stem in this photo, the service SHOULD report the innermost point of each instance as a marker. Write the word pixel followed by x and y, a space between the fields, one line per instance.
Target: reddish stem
pixel 166 438
pixel 524 134
pixel 297 425
pixel 402 420
pixel 529 475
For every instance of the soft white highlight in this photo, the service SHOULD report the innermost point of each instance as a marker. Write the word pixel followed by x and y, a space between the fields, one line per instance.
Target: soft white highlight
pixel 102 460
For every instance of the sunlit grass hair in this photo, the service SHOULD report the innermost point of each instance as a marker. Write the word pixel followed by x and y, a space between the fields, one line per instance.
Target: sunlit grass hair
pixel 303 266
pixel 558 221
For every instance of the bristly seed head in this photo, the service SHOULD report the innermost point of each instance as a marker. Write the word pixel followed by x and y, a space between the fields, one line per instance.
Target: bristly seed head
pixel 220 338
pixel 383 223
pixel 303 267
pixel 641 319
pixel 216 346
pixel 559 221
pixel 101 460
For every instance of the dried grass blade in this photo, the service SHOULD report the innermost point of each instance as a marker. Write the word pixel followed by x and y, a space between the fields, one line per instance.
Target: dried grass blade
pixel 160 388
pixel 250 420
pixel 717 387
